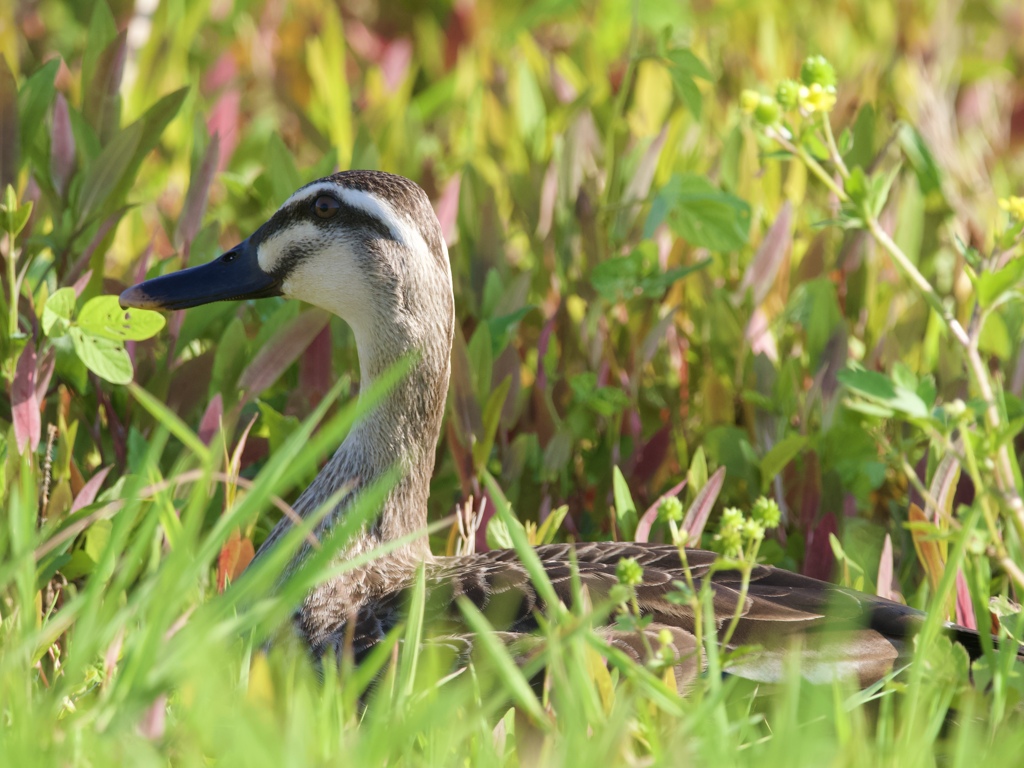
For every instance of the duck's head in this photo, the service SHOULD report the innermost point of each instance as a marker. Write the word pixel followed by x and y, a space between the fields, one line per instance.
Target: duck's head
pixel 364 245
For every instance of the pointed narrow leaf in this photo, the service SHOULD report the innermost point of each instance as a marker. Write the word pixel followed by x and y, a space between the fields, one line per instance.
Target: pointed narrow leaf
pixel 697 515
pixel 8 126
pixel 283 349
pixel 108 171
pixel 24 405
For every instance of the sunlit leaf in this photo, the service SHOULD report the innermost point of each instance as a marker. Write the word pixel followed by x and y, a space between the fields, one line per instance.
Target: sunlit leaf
pixel 104 357
pixel 701 214
pixel 103 316
pixel 57 312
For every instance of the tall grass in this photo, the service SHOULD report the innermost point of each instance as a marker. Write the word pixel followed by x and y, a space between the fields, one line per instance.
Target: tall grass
pixel 651 288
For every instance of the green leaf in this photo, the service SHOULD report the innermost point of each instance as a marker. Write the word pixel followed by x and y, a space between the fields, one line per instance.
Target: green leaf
pixel 929 176
pixel 991 285
pixel 481 361
pixel 104 357
pixel 881 183
pixel 103 316
pixel 332 106
pixel 34 99
pixel 683 68
pixel 102 29
pixel 779 456
pixel 491 419
pixel 107 172
pixel 700 213
pixel 15 217
pixel 625 509
pixel 617 277
pixel 549 528
pixel 281 172
pixel 57 312
pixel 880 388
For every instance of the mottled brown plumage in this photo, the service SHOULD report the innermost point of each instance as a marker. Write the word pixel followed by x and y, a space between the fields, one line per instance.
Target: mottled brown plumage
pixel 377 259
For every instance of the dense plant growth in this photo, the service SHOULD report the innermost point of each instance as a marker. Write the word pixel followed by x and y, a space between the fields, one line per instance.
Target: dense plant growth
pixel 697 266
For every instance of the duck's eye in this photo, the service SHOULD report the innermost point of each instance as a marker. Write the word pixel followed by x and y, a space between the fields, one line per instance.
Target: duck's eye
pixel 326 206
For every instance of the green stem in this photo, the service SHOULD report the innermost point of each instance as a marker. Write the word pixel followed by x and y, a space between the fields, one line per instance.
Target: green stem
pixel 830 141
pixel 1003 471
pixel 12 281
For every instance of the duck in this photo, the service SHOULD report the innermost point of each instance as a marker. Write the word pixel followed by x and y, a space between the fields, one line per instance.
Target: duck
pixel 367 247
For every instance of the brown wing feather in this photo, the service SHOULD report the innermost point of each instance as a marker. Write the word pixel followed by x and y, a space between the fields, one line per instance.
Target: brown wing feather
pixel 839 631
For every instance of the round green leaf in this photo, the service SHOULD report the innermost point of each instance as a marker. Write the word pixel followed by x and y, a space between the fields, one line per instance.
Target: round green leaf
pixel 103 316
pixel 57 312
pixel 103 356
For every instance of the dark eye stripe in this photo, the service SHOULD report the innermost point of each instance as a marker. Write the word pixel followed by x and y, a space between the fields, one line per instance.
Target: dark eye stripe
pixel 347 217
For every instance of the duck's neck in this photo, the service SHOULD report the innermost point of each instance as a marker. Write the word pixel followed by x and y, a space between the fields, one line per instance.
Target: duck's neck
pixel 394 442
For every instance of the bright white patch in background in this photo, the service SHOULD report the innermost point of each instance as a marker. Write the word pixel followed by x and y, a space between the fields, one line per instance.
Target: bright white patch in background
pixel 270 251
pixel 140 27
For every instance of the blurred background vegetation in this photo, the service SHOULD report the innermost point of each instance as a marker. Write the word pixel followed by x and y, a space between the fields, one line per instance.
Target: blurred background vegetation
pixel 644 284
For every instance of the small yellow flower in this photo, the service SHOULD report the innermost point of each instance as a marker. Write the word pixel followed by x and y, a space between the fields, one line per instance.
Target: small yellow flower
pixel 817 98
pixel 1013 205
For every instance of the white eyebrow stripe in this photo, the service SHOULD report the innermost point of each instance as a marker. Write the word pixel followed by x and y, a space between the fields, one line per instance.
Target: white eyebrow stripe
pixel 400 227
pixel 310 191
pixel 270 251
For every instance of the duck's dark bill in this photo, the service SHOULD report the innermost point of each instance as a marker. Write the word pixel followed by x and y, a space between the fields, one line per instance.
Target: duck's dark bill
pixel 235 275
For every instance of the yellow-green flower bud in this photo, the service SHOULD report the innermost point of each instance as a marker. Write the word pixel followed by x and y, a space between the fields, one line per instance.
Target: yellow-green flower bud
pixel 752 531
pixel 749 101
pixel 816 70
pixel 768 111
pixel 671 509
pixel 766 512
pixel 629 572
pixel 788 94
pixel 730 531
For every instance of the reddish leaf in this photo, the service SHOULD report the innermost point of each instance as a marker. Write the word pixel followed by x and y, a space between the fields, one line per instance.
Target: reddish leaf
pixel 643 528
pixel 964 608
pixel 103 107
pixel 447 210
pixel 651 456
pixel 884 581
pixel 697 515
pixel 195 200
pixel 153 721
pixel 468 419
pixel 24 405
pixel 108 224
pixel 316 373
pixel 283 348
pixel 235 556
pixel 927 548
pixel 760 275
pixel 87 495
pixel 62 145
pixel 394 64
pixel 819 559
pixel 44 372
pixel 224 122
pixel 8 126
pixel 211 420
